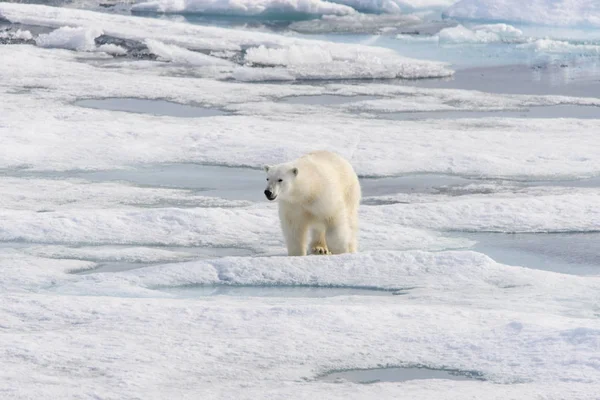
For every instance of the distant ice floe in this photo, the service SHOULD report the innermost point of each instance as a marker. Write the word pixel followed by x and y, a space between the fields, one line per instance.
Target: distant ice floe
pixel 491 33
pixel 572 13
pixel 244 7
pixel 355 23
pixel 302 59
pixel 550 46
pixel 478 34
pixel 306 7
pixel 500 33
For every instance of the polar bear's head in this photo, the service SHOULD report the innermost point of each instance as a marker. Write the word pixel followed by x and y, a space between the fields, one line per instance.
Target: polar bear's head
pixel 279 180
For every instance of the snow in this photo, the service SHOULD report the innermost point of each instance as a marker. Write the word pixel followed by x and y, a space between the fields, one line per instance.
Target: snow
pixel 127 347
pixel 410 99
pixel 348 61
pixel 81 39
pixel 583 13
pixel 51 194
pixel 430 146
pixel 517 210
pixel 181 55
pixel 18 34
pixel 112 49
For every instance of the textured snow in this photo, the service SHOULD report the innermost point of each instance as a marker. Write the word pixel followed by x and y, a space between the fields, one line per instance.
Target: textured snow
pixel 472 147
pixel 347 61
pixel 66 37
pixel 210 227
pixel 18 34
pixel 109 253
pixel 112 49
pixel 174 347
pixel 181 55
pixel 542 12
pixel 411 99
pixel 53 194
pixel 524 210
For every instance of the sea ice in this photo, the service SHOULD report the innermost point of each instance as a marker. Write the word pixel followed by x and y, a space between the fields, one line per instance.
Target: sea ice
pixel 310 7
pixel 542 12
pixel 348 61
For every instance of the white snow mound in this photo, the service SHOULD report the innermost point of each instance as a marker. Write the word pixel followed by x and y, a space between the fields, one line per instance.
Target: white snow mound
pixel 79 38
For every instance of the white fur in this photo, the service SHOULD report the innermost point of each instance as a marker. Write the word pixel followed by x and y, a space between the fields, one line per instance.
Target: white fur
pixel 319 194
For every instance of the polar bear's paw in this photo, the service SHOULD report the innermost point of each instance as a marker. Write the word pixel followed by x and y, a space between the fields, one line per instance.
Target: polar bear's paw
pixel 319 250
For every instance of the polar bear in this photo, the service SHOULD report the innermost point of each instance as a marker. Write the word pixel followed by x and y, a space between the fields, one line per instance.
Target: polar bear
pixel 319 192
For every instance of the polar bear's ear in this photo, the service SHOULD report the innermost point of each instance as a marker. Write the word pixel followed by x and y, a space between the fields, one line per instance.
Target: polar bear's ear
pixel 267 168
pixel 295 171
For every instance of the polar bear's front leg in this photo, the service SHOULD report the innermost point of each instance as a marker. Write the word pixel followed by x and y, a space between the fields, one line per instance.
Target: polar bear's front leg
pixel 295 231
pixel 318 244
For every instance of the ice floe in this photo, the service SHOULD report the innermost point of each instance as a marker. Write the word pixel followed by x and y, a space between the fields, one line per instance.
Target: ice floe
pixel 346 61
pixel 542 12
pixel 302 7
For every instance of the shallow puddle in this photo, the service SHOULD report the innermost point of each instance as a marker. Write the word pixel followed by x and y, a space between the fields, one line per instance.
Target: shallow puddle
pixel 397 374
pixel 422 183
pixel 326 99
pixel 273 291
pixel 147 106
pixel 568 253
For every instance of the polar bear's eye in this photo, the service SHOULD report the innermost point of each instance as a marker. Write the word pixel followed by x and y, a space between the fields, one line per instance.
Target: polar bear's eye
pixel 281 180
pixel 267 178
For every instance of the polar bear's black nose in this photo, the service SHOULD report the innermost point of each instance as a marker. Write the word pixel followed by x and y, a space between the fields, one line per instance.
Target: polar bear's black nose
pixel 269 195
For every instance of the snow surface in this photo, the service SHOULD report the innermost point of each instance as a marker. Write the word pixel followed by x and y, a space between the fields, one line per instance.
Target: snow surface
pixel 178 54
pixel 584 13
pixel 127 347
pixel 131 334
pixel 430 146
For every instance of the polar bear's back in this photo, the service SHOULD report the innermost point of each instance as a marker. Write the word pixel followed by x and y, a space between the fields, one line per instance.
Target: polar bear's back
pixel 330 173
